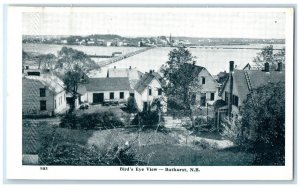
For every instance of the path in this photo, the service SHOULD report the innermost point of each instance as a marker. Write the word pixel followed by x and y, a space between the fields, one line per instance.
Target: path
pixel 186 137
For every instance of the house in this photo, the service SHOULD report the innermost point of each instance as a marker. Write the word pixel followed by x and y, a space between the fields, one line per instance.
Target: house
pixel 107 43
pixel 208 84
pixel 100 90
pixel 209 87
pixel 149 88
pixel 238 85
pixel 43 94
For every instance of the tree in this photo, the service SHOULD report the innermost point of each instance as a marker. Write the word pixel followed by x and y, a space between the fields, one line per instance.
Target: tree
pixel 131 105
pixel 263 116
pixel 72 79
pixel 182 79
pixel 47 61
pixel 25 56
pixel 267 55
pixel 71 65
pixel 69 59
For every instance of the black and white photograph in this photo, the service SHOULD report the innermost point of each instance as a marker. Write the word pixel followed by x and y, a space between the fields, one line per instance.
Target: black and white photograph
pixel 155 89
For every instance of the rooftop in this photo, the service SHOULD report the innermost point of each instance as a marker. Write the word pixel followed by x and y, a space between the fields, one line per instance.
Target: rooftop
pixel 108 84
pixel 257 78
pixel 51 81
pixel 146 80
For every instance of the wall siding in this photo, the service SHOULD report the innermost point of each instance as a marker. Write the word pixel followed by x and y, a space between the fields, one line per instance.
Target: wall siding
pixel 31 98
pixel 144 97
pixel 106 96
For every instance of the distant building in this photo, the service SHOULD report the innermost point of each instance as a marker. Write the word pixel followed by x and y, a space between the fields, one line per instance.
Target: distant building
pixel 43 94
pixel 119 43
pixel 64 42
pixel 107 43
pixel 91 43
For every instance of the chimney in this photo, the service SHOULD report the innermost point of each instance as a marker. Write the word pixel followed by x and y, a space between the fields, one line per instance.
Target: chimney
pixel 129 67
pixel 194 62
pixel 115 67
pixel 150 71
pixel 267 67
pixel 231 66
pixel 279 68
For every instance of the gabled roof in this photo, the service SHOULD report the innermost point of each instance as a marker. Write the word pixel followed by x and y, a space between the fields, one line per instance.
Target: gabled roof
pixel 108 84
pixel 52 82
pixel 257 78
pixel 197 69
pixel 146 80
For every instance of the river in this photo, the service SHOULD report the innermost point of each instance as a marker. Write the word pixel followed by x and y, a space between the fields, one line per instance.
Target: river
pixel 214 59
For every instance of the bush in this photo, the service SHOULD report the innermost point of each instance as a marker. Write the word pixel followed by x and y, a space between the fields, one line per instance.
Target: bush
pixel 131 105
pixel 69 121
pixel 146 118
pixel 75 154
pixel 263 120
pixel 99 120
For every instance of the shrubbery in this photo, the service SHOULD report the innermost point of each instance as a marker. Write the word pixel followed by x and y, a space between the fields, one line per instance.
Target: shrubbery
pixel 103 120
pixel 131 105
pixel 62 146
pixel 146 118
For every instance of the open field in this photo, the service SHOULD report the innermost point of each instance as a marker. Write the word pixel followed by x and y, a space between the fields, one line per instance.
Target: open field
pixel 150 147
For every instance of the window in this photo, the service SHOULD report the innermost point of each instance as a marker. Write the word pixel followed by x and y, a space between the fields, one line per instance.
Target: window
pixel 111 95
pixel 212 96
pixel 43 105
pixel 203 80
pixel 42 92
pixel 131 94
pixel 150 91
pixel 159 91
pixel 121 95
pixel 235 100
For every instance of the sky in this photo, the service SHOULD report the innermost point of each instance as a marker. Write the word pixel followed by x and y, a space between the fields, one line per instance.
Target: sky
pixel 190 22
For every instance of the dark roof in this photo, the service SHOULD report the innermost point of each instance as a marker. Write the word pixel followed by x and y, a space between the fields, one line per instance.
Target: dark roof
pixel 81 89
pixel 257 78
pixel 146 80
pixel 108 84
pixel 197 68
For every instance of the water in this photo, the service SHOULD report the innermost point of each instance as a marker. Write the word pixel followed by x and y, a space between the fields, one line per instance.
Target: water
pixel 215 59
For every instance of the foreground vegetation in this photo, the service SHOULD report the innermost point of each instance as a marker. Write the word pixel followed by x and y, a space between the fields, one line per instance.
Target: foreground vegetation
pixel 121 146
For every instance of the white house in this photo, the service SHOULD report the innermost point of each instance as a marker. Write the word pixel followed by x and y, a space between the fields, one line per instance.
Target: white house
pixel 100 90
pixel 42 94
pixel 209 87
pixel 149 88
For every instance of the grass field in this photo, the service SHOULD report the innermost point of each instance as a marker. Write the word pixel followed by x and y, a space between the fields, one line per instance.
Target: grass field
pixel 150 147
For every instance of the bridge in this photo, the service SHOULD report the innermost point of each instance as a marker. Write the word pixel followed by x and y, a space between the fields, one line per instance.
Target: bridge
pixel 115 58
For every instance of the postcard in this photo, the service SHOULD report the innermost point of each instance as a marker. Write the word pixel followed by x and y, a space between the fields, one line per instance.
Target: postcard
pixel 149 93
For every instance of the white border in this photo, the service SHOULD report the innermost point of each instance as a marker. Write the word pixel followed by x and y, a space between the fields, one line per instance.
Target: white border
pixel 15 170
